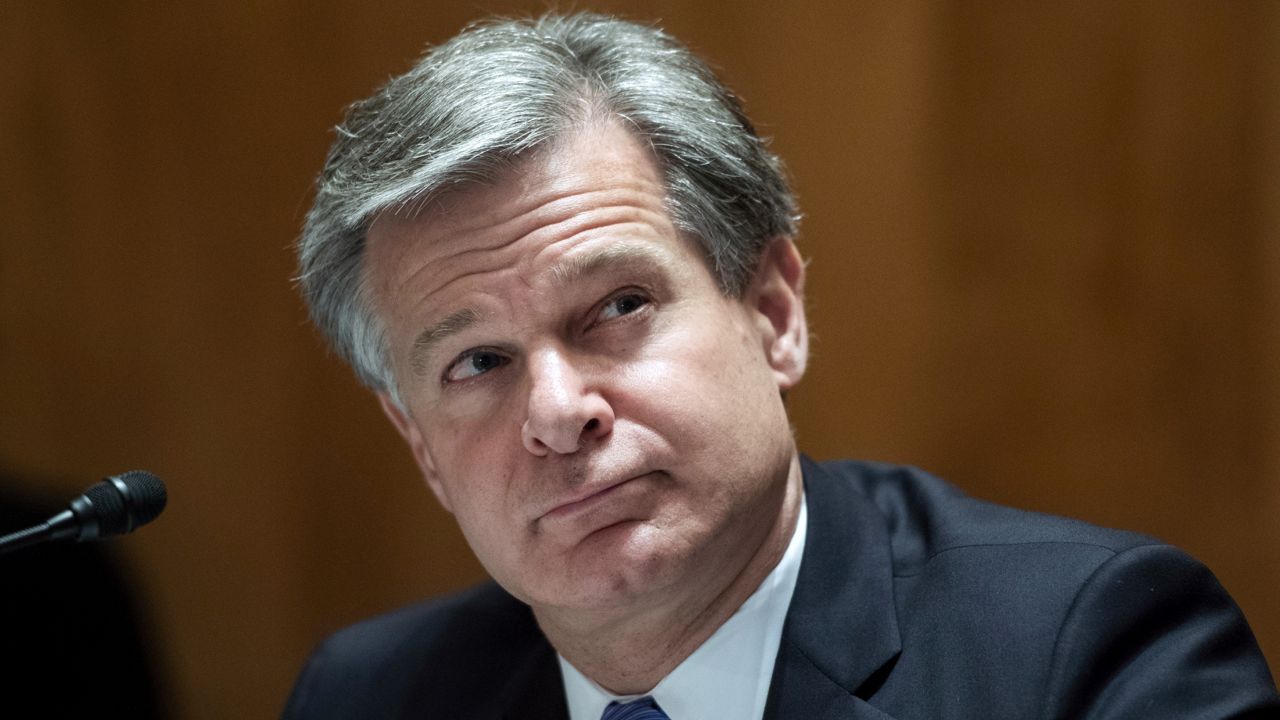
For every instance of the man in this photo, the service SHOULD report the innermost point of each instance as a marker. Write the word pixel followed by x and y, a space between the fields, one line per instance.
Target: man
pixel 559 253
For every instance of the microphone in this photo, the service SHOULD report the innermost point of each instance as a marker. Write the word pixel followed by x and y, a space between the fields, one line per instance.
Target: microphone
pixel 115 506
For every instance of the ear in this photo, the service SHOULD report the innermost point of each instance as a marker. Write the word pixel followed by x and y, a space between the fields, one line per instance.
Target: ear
pixel 408 430
pixel 776 294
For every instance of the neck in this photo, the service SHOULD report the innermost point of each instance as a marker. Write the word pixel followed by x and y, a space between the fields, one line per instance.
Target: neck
pixel 628 651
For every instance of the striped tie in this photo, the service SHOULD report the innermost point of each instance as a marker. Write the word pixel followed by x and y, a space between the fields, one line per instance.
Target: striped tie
pixel 643 709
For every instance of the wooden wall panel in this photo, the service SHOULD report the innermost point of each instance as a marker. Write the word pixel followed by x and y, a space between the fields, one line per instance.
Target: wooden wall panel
pixel 1045 265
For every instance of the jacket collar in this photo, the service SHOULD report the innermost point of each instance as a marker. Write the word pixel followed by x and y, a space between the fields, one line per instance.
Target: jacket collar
pixel 536 689
pixel 841 633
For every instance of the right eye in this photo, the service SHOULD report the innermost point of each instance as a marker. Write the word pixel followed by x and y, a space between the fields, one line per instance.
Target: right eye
pixel 474 363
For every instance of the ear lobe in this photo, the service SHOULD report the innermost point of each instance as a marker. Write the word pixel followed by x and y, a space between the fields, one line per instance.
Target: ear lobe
pixel 777 296
pixel 408 430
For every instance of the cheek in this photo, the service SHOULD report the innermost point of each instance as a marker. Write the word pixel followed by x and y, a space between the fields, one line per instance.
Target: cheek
pixel 478 429
pixel 701 390
pixel 482 514
pixel 473 465
pixel 706 369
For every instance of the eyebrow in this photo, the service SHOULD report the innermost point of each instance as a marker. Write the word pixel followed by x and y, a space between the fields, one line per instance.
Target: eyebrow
pixel 635 257
pixel 428 339
pixel 619 255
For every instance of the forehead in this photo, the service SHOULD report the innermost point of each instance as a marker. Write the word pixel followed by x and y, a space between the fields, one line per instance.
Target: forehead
pixel 596 173
pixel 596 157
pixel 598 187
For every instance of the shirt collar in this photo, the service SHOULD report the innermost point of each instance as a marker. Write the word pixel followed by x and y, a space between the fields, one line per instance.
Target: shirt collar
pixel 729 674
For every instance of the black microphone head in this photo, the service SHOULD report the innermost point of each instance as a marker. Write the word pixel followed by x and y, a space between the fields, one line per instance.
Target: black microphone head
pixel 124 502
pixel 146 493
pixel 106 507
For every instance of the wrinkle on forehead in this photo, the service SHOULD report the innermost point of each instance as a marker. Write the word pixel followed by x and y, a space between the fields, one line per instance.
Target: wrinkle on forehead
pixel 600 179
pixel 542 241
pixel 548 175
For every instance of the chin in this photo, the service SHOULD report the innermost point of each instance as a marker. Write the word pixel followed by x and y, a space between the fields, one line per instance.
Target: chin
pixel 633 565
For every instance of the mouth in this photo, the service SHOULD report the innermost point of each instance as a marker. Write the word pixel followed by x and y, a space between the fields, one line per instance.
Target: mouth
pixel 585 502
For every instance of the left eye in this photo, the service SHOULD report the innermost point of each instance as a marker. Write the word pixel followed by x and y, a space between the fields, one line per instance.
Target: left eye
pixel 623 305
pixel 476 362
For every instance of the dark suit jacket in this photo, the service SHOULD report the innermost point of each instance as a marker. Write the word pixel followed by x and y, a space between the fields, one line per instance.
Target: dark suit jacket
pixel 913 601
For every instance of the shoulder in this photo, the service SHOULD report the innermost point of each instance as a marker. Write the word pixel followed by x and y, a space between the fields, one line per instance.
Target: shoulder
pixel 927 517
pixel 1064 611
pixel 452 623
pixel 964 566
pixel 444 647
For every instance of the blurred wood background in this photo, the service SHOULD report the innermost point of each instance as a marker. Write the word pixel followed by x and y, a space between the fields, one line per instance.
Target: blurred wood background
pixel 1046 265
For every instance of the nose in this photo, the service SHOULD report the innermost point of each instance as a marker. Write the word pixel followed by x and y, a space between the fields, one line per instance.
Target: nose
pixel 564 412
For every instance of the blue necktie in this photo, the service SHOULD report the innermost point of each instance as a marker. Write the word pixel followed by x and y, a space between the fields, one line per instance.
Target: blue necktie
pixel 643 709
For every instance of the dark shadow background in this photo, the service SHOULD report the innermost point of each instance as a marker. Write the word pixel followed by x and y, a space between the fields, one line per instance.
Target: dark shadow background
pixel 75 642
pixel 1045 265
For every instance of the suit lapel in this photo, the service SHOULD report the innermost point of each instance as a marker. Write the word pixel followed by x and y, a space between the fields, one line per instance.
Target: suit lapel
pixel 801 690
pixel 841 631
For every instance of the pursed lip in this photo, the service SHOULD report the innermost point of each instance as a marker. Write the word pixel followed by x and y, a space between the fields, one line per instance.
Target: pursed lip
pixel 585 499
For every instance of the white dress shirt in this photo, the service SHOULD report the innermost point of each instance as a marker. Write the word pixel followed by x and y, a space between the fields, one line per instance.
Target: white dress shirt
pixel 728 675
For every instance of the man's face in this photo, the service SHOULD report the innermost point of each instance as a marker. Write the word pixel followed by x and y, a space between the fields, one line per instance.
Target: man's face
pixel 602 421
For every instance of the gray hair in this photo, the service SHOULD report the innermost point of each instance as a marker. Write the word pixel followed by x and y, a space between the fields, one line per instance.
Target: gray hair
pixel 502 89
